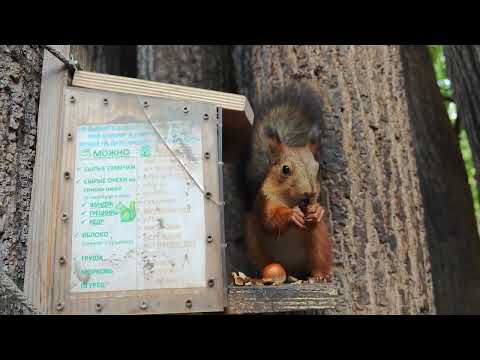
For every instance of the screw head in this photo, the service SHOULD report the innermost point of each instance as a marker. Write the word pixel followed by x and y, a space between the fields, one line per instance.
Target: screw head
pixel 60 306
pixel 144 305
pixel 66 175
pixel 69 137
pixel 211 283
pixel 62 260
pixel 185 109
pixel 205 116
pixel 209 238
pixel 98 307
pixel 188 304
pixel 64 217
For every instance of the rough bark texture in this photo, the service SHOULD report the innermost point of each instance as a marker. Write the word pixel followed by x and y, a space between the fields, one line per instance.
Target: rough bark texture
pixel 370 170
pixel 449 215
pixel 20 75
pixel 204 66
pixel 12 300
pixel 207 67
pixel 463 67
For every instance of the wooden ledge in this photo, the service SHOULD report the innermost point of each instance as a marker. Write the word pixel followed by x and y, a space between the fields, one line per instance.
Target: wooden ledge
pixel 281 298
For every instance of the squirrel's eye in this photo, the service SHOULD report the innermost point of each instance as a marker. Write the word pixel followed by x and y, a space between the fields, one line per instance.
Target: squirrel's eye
pixel 286 170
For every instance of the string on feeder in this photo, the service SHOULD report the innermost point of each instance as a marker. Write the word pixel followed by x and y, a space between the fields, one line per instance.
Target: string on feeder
pixel 176 156
pixel 71 64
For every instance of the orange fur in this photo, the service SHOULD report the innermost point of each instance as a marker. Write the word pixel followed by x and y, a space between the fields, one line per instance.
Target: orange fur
pixel 271 219
pixel 286 223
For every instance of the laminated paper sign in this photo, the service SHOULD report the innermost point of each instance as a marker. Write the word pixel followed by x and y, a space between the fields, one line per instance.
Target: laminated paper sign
pixel 138 217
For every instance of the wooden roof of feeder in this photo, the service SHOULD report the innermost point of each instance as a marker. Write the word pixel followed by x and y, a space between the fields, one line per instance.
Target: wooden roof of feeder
pixel 237 112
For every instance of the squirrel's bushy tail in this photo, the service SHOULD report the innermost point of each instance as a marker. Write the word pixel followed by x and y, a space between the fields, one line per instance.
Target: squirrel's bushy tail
pixel 292 112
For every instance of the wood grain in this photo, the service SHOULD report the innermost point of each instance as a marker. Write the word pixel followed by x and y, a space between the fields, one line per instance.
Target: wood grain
pixel 282 298
pixel 43 210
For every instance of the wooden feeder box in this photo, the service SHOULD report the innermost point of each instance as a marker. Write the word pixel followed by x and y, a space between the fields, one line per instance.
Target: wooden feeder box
pixel 127 201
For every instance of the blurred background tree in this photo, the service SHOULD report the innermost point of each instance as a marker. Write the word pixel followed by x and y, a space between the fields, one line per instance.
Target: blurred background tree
pixel 445 85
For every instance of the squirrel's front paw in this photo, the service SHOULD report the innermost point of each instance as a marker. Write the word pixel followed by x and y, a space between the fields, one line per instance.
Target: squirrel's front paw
pixel 321 277
pixel 297 217
pixel 315 213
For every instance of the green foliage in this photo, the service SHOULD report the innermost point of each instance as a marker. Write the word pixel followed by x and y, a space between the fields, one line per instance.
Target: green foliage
pixel 438 59
pixel 439 65
pixel 467 158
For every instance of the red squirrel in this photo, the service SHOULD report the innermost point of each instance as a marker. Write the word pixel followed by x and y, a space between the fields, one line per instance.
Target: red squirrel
pixel 285 223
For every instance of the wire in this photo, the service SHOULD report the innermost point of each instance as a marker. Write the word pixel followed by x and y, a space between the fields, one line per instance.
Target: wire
pixel 71 64
pixel 176 157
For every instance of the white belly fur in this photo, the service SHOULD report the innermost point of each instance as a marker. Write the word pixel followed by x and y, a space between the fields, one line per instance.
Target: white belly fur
pixel 289 250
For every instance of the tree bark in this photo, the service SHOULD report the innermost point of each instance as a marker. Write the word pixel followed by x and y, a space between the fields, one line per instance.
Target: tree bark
pixel 107 59
pixel 463 68
pixel 392 228
pixel 20 75
pixel 450 222
pixel 204 66
pixel 207 67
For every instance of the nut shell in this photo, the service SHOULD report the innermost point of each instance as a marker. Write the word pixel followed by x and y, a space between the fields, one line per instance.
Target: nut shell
pixel 276 272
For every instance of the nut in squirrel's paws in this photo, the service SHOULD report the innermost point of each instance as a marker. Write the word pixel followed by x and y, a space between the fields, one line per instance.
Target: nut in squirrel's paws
pixel 314 213
pixel 298 218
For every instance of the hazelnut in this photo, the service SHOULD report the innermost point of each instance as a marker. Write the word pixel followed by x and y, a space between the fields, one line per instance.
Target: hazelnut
pixel 276 272
pixel 303 205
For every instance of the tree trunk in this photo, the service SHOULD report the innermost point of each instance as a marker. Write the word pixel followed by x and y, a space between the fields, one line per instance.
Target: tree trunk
pixel 107 59
pixel 392 228
pixel 450 222
pixel 204 66
pixel 463 68
pixel 207 67
pixel 20 75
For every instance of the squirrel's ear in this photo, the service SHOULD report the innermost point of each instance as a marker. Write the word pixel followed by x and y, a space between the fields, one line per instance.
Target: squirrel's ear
pixel 313 141
pixel 275 146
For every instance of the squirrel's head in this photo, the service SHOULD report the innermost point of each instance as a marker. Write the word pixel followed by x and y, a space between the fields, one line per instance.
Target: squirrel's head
pixel 293 173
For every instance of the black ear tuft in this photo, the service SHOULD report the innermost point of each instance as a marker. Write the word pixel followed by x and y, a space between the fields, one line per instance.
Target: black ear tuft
pixel 272 134
pixel 274 144
pixel 313 139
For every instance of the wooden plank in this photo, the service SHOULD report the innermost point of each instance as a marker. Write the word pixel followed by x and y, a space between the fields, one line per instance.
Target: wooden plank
pixel 43 209
pixel 281 298
pixel 237 115
pixel 153 88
